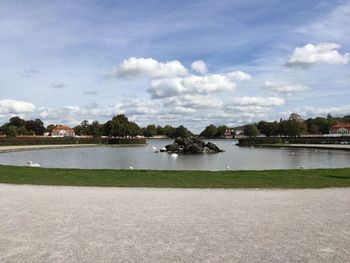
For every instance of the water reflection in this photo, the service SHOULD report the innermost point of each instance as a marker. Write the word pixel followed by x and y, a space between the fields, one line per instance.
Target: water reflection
pixel 237 158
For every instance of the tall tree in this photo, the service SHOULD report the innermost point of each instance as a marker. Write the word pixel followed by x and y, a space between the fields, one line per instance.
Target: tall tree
pixel 150 130
pixel 17 122
pixel 95 129
pixel 50 127
pixel 295 126
pixel 209 131
pixel 181 131
pixel 251 130
pixel 37 126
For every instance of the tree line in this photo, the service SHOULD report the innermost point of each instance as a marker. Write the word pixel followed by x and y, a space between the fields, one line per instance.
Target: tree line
pixel 294 126
pixel 118 126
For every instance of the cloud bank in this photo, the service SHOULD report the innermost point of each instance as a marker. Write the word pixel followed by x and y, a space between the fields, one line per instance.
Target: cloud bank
pixel 323 53
pixel 15 107
pixel 284 88
pixel 149 67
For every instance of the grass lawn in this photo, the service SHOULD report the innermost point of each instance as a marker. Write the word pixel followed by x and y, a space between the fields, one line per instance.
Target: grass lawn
pixel 313 178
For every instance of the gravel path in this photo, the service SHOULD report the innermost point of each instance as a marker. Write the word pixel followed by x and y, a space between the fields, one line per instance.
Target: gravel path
pixel 81 224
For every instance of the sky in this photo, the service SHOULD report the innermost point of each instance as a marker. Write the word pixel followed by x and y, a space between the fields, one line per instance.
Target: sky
pixel 174 62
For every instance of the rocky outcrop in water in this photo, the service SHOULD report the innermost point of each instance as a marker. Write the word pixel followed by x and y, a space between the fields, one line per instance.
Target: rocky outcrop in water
pixel 192 145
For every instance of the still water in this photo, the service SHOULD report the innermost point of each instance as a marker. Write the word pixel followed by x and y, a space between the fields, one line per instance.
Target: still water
pixel 234 157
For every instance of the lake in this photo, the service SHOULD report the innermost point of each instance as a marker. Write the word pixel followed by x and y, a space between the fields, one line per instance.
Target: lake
pixel 143 157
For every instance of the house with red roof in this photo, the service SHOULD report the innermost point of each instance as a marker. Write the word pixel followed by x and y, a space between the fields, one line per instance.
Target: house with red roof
pixel 62 131
pixel 230 133
pixel 340 129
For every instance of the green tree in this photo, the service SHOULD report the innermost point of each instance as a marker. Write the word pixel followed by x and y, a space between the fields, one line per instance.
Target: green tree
pixel 50 127
pixel 11 131
pixel 265 128
pixel 160 130
pixel 221 130
pixel 134 129
pixel 85 127
pixel 150 131
pixel 17 122
pixel 346 119
pixel 95 129
pixel 295 126
pixel 120 126
pixel 251 130
pixel 274 128
pixel 295 117
pixel 282 128
pixel 168 130
pixel 209 131
pixel 181 131
pixel 78 130
pixel 37 126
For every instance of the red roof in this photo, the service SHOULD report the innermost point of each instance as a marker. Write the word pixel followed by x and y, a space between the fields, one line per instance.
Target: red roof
pixel 62 127
pixel 341 125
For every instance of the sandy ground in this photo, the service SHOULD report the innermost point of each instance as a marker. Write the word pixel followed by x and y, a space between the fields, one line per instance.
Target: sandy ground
pixel 81 224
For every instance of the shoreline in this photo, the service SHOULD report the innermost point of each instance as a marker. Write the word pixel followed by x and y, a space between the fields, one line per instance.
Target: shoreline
pixel 20 148
pixel 345 147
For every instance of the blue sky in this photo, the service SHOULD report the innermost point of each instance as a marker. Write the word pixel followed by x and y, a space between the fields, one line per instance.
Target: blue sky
pixel 65 61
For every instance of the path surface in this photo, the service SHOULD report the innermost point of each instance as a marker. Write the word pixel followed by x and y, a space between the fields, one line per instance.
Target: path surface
pixel 81 224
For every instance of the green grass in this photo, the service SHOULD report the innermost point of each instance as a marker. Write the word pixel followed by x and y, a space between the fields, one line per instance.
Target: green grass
pixel 315 178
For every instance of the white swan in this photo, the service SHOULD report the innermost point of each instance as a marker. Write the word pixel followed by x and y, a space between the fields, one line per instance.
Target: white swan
pixel 31 164
pixel 131 168
pixel 174 155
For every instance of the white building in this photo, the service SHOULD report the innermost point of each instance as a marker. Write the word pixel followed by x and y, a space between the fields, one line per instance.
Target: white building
pixel 341 129
pixel 62 131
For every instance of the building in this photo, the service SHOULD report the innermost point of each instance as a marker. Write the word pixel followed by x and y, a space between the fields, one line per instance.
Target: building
pixel 62 131
pixel 340 129
pixel 230 133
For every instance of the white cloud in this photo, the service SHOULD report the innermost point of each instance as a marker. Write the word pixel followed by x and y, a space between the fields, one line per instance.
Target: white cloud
pixel 199 66
pixel 149 67
pixel 136 106
pixel 193 111
pixel 192 84
pixel 238 76
pixel 194 102
pixel 257 101
pixel 172 79
pixel 15 107
pixel 311 111
pixel 284 88
pixel 72 115
pixel 323 53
